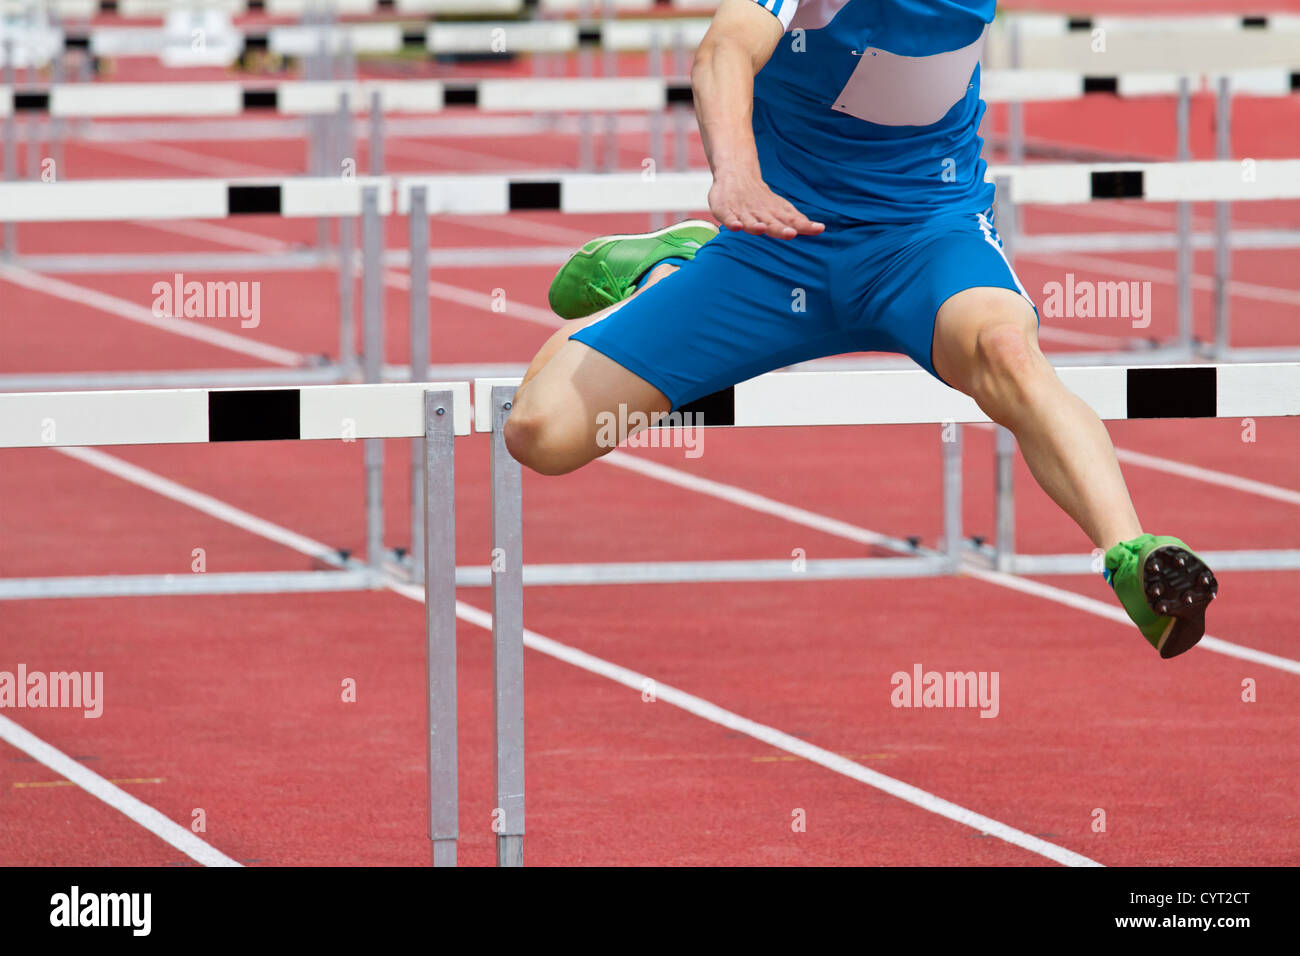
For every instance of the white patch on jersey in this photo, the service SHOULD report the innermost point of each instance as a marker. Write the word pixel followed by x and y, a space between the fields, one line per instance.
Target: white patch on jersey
pixel 892 90
pixel 815 14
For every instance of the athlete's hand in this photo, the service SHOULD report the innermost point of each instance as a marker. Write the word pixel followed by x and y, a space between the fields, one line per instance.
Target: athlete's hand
pixel 744 202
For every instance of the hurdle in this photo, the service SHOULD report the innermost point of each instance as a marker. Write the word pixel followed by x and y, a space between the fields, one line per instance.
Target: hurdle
pixel 780 399
pixel 899 397
pixel 434 414
pixel 812 399
pixel 1219 181
pixel 364 197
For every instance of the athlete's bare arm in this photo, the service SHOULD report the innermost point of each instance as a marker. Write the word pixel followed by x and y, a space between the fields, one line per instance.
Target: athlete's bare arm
pixel 740 40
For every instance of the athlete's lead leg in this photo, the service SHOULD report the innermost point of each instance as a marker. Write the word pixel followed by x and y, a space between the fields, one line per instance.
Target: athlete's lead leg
pixel 986 345
pixel 552 427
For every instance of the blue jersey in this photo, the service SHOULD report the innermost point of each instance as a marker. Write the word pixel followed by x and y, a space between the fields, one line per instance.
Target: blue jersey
pixel 868 110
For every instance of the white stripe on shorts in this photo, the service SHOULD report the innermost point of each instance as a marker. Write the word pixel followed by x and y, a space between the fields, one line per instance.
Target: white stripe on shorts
pixel 987 228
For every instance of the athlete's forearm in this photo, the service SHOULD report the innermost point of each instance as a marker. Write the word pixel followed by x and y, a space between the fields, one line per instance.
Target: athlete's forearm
pixel 723 80
pixel 740 40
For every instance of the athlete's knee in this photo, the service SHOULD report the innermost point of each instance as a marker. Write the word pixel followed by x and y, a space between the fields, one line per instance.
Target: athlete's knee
pixel 1008 368
pixel 540 438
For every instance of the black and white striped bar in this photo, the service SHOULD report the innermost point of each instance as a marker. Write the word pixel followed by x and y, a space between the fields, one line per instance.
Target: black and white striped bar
pixel 1040 23
pixel 125 100
pixel 198 415
pixel 910 397
pixel 1046 183
pixel 1046 24
pixel 1210 180
pixel 123 199
pixel 292 98
pixel 285 8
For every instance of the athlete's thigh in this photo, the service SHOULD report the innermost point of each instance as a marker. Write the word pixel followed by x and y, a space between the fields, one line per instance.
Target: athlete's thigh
pixel 744 305
pixel 565 401
pixel 928 289
pixel 967 315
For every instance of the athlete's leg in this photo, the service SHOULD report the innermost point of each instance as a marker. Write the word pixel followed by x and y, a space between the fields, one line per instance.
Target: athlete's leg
pixel 551 424
pixel 986 345
pixel 744 305
pixel 556 341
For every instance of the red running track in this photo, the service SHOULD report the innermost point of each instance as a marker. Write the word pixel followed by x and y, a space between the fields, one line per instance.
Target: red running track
pixel 233 705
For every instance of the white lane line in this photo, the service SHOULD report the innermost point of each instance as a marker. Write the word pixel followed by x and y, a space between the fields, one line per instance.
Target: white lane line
pixel 778 739
pixel 595 665
pixel 476 299
pixel 222 235
pixel 456 156
pixel 1082 603
pixel 1196 473
pixel 517 226
pixel 1236 482
pixel 800 516
pixel 206 503
pixel 1200 282
pixel 135 312
pixel 146 816
pixel 1054 333
pixel 162 155
pixel 745 499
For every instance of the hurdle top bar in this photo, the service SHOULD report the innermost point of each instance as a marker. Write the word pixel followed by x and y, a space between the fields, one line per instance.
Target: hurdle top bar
pixel 557 94
pixel 82 200
pixel 1048 183
pixel 1042 23
pixel 912 397
pixel 197 415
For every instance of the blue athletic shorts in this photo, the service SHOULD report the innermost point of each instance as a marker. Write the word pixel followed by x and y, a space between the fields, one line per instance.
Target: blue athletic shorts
pixel 746 304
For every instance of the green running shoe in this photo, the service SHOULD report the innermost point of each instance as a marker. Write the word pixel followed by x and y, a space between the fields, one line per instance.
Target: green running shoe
pixel 1165 588
pixel 606 270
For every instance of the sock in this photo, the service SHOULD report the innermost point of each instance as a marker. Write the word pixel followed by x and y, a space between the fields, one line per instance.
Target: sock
pixel 674 260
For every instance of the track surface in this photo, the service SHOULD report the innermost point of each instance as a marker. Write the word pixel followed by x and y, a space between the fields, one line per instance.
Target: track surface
pixel 233 705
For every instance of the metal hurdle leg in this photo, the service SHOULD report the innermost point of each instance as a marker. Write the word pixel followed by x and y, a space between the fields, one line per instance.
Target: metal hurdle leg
pixel 1015 109
pixel 419 309
pixel 1004 545
pixel 347 264
pixel 1222 222
pixel 1183 211
pixel 440 621
pixel 376 135
pixel 507 636
pixel 681 116
pixel 1005 443
pixel 372 330
pixel 1004 216
pixel 656 122
pixel 10 150
pixel 586 135
pixel 609 67
pixel 952 523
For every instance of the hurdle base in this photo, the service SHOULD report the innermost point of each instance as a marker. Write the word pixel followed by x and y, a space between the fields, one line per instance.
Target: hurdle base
pixel 926 564
pixel 1030 564
pixel 148 585
pixel 444 851
pixel 510 849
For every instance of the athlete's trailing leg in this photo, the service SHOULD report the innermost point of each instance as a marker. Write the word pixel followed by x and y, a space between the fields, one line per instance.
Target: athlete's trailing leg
pixel 985 344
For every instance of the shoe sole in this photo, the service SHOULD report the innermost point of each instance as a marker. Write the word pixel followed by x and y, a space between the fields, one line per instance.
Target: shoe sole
pixel 595 245
pixel 1180 585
